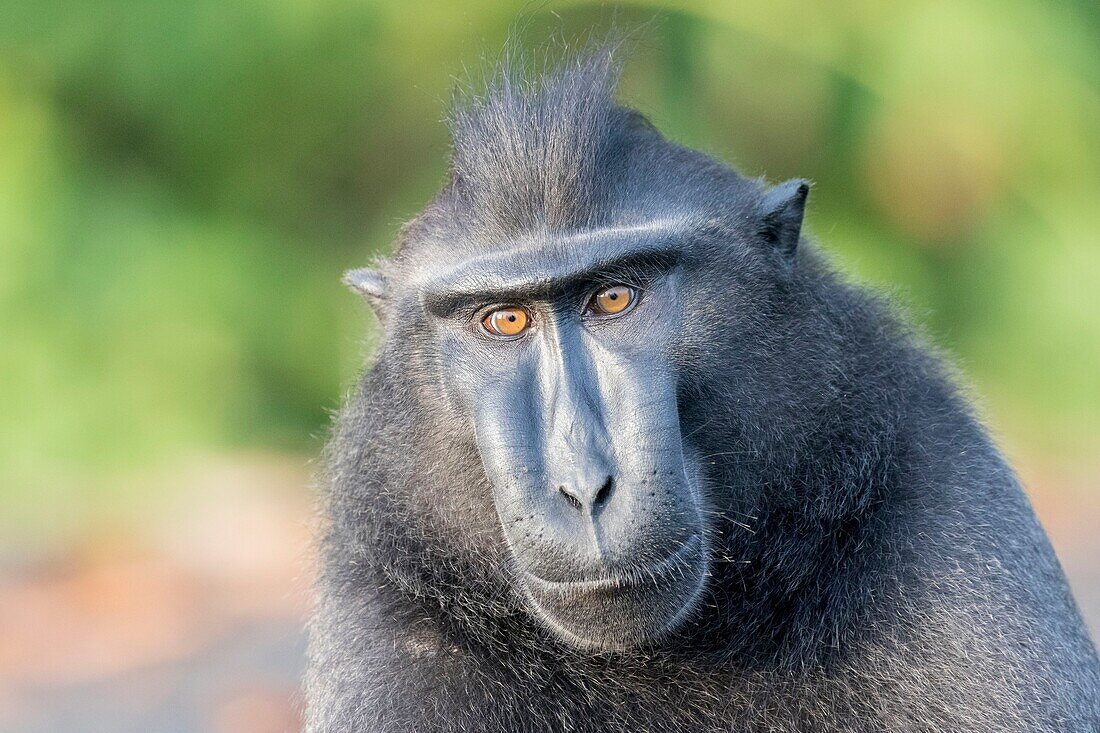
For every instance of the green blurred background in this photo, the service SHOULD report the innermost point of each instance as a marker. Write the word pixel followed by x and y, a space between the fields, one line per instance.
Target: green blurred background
pixel 182 184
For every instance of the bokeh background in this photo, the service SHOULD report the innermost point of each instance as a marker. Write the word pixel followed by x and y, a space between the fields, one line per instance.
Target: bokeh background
pixel 182 184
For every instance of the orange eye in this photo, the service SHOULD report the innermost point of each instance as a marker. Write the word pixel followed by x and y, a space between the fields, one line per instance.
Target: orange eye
pixel 507 322
pixel 613 300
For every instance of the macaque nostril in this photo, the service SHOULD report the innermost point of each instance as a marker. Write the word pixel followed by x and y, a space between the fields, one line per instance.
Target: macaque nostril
pixel 570 497
pixel 603 495
pixel 598 500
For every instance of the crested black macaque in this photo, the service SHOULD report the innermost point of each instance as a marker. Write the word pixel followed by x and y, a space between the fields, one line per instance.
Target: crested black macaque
pixel 632 457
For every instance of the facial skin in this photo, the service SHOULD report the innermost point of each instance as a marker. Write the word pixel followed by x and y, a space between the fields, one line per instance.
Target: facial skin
pixel 569 382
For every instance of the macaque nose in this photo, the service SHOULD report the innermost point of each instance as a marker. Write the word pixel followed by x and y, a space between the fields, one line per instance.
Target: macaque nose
pixel 589 499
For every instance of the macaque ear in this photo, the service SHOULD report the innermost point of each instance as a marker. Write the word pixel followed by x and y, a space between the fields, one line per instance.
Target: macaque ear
pixel 781 215
pixel 370 284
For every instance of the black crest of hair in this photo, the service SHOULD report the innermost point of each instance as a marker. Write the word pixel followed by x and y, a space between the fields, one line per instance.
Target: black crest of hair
pixel 530 152
pixel 804 526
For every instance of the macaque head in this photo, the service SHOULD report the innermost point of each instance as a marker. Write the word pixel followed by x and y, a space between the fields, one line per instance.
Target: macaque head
pixel 563 288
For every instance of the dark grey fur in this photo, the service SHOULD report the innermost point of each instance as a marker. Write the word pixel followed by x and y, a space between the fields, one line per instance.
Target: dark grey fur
pixel 875 565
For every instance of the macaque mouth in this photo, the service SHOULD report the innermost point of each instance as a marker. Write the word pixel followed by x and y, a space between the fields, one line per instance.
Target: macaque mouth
pixel 627 607
pixel 678 564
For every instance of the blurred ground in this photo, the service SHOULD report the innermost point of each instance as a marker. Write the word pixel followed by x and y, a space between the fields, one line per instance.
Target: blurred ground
pixel 1070 512
pixel 196 623
pixel 193 623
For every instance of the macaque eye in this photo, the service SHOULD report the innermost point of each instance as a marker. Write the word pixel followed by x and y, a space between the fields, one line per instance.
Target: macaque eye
pixel 613 300
pixel 506 322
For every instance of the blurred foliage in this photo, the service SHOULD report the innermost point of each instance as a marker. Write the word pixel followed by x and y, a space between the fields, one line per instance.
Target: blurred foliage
pixel 181 185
